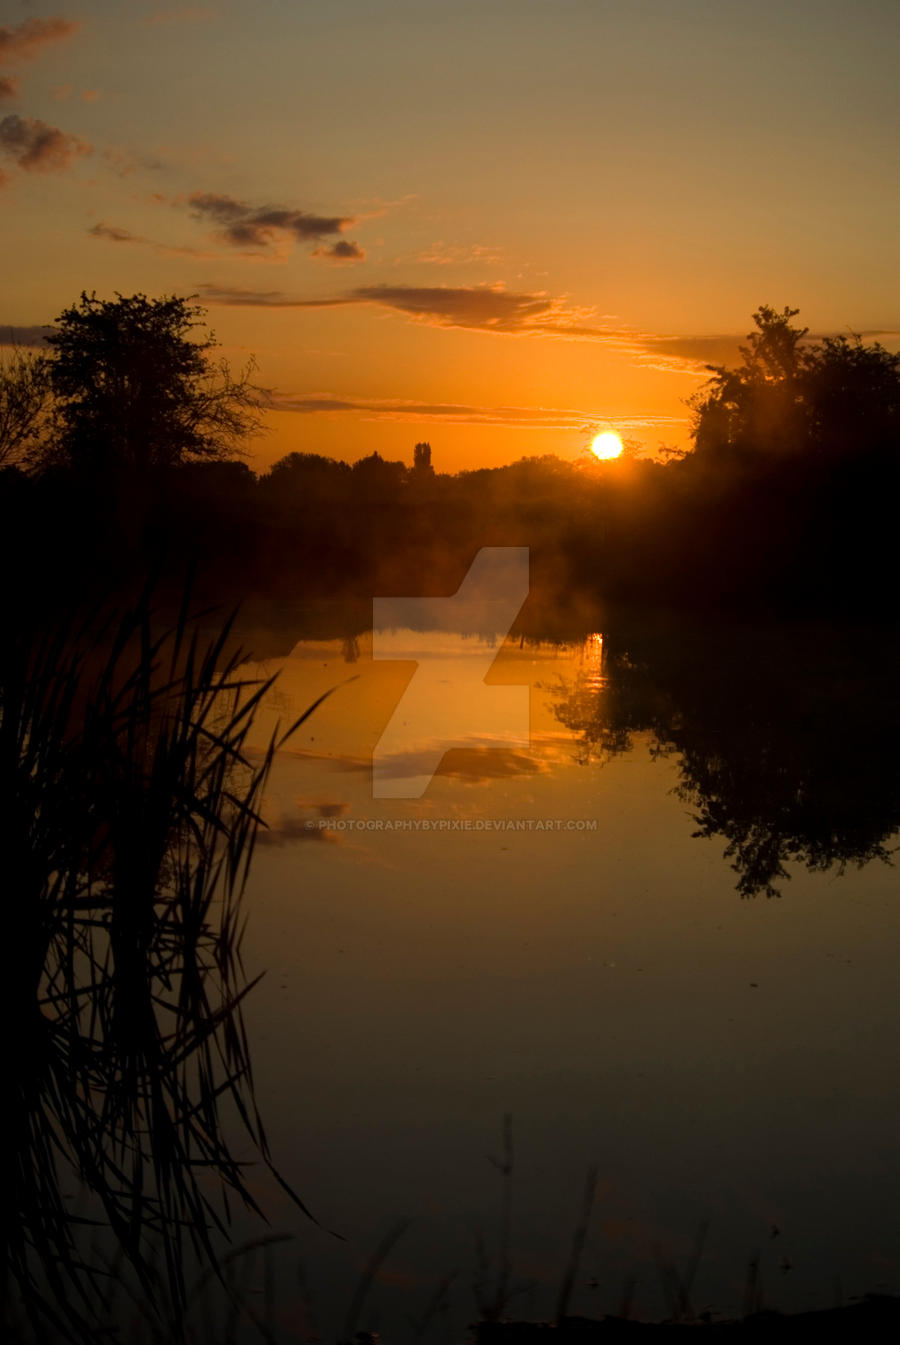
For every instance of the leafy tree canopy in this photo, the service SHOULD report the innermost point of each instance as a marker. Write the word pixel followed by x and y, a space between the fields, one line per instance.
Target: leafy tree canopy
pixel 834 396
pixel 135 391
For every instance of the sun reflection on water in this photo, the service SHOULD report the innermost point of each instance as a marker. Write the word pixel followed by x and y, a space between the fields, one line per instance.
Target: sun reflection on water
pixel 592 662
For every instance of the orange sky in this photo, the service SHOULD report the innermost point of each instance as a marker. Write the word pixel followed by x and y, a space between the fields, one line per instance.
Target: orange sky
pixel 496 227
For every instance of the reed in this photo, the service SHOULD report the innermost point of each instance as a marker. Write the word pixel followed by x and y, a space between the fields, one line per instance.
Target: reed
pixel 132 807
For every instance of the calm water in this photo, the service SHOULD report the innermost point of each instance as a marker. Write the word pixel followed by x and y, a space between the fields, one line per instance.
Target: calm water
pixel 543 934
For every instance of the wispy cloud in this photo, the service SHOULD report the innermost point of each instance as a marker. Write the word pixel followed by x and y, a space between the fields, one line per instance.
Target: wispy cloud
pixel 233 296
pixel 686 354
pixel 112 233
pixel 889 337
pixel 512 417
pixel 28 39
pixel 37 147
pixel 63 92
pixel 695 354
pixel 244 225
pixel 454 254
pixel 499 311
pixel 24 43
pixel 126 161
pixel 490 308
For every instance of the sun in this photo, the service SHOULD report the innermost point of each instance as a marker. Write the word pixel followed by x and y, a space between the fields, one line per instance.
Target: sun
pixel 607 445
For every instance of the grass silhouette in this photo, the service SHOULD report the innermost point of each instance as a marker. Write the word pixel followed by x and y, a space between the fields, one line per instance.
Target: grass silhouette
pixel 131 815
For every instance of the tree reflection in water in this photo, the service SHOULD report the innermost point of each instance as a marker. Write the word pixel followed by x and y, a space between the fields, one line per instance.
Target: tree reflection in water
pixel 786 740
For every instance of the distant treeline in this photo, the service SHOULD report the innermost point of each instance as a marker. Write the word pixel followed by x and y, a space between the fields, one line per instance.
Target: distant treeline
pixel 787 502
pixel 779 533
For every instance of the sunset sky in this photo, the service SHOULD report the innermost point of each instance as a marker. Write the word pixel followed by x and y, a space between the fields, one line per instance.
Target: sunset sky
pixel 495 226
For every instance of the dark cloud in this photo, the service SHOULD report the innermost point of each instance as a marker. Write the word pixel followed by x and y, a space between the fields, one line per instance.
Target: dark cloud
pixel 23 336
pixel 487 307
pixel 342 251
pixel 243 225
pixel 222 208
pixel 37 147
pixel 9 87
pixel 29 38
pixel 476 307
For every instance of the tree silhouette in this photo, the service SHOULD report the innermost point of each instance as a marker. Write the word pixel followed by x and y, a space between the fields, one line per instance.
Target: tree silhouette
pixel 835 396
pixel 759 403
pixel 773 352
pixel 853 394
pixel 24 403
pixel 135 393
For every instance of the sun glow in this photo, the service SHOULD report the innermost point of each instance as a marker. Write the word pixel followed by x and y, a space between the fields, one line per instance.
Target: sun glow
pixel 607 445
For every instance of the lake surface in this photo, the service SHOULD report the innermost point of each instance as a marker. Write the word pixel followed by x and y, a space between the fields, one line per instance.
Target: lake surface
pixel 542 935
